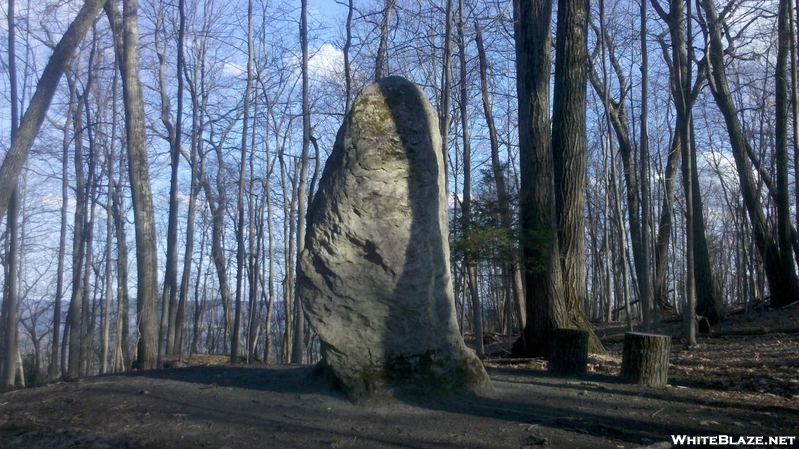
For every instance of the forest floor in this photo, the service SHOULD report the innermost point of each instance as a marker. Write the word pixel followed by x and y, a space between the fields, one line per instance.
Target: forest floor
pixel 729 384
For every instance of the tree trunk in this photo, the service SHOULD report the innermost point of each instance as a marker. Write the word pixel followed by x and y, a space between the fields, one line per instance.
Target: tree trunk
pixel 78 246
pixel 782 193
pixel 123 298
pixel 55 358
pixel 11 304
pixel 176 332
pixel 299 320
pixel 469 263
pixel 166 326
pixel 545 306
pixel 10 318
pixel 126 37
pixel 644 284
pixel 446 67
pixel 569 155
pixel 380 60
pixel 240 250
pixel 347 64
pixel 514 265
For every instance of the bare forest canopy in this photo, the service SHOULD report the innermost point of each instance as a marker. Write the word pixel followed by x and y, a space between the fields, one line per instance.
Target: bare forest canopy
pixel 160 210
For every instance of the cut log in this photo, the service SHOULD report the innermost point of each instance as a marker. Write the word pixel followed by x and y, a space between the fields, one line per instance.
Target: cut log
pixel 612 339
pixel 645 359
pixel 568 351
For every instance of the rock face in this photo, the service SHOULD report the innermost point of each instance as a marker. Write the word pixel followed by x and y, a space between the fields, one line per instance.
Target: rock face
pixel 374 277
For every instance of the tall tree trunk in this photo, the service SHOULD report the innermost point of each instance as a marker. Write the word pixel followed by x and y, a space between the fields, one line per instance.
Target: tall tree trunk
pixel 270 288
pixel 78 246
pixel 109 231
pixel 792 24
pixel 782 193
pixel 176 330
pixel 123 298
pixel 466 217
pixel 88 224
pixel 514 264
pixel 569 151
pixel 380 60
pixel 446 85
pixel 126 38
pixel 347 64
pixel 10 318
pixel 196 176
pixel 685 91
pixel 289 226
pixel 55 359
pixel 644 284
pixel 545 305
pixel 240 250
pixel 11 304
pixel 299 319
pixel 166 327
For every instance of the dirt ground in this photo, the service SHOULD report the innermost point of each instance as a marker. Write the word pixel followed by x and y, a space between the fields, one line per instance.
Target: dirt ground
pixel 739 385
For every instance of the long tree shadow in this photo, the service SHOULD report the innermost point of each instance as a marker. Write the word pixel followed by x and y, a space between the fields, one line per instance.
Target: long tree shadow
pixel 428 247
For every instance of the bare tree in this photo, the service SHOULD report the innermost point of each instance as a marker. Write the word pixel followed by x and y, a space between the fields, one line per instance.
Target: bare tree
pixel 381 60
pixel 299 320
pixel 126 43
pixel 37 108
pixel 10 312
pixel 466 217
pixel 545 305
pixel 780 271
pixel 569 148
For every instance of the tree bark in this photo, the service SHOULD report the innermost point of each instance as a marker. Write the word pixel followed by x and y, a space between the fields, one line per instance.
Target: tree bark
pixel 545 305
pixel 180 314
pixel 569 155
pixel 446 85
pixel 644 284
pixel 645 359
pixel 782 194
pixel 126 37
pixel 10 318
pixel 78 244
pixel 166 326
pixel 298 345
pixel 380 60
pixel 240 249
pixel 469 263
pixel 568 351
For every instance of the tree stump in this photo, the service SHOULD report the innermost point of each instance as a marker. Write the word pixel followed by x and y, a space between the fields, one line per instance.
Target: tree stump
pixel 568 351
pixel 645 359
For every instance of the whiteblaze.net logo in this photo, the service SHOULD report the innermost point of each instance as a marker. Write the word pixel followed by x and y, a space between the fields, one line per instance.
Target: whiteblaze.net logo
pixel 719 440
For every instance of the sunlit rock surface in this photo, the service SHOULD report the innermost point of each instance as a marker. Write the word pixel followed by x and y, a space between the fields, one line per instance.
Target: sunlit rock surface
pixel 374 277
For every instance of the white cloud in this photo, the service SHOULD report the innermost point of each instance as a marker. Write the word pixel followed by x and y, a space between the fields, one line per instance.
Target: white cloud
pixel 326 63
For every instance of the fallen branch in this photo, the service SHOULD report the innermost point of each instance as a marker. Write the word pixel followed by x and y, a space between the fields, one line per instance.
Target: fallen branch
pixel 757 331
pixel 510 361
pixel 615 338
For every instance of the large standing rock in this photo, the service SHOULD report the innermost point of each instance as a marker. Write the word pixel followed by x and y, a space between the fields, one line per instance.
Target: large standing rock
pixel 374 277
